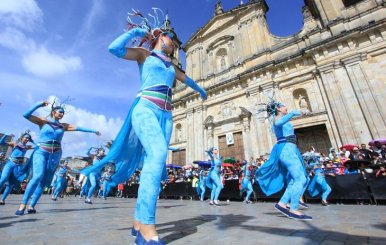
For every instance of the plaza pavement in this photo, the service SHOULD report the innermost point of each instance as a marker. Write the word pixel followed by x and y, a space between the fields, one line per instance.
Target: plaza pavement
pixel 70 221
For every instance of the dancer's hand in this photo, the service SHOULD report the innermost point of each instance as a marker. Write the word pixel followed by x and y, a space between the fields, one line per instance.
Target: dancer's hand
pixel 98 133
pixel 203 95
pixel 45 103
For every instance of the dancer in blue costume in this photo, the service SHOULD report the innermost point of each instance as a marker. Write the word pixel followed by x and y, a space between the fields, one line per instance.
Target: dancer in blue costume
pixel 84 183
pixel 2 161
pixel 214 180
pixel 285 159
pixel 106 179
pixel 15 170
pixel 201 186
pixel 84 186
pixel 318 184
pixel 147 129
pixel 246 183
pixel 61 181
pixel 93 178
pixel 46 158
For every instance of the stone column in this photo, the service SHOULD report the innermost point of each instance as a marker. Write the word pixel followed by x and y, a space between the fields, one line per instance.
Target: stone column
pixel 198 133
pixel 350 120
pixel 261 128
pixel 369 108
pixel 334 132
pixel 246 135
pixel 210 136
pixel 189 136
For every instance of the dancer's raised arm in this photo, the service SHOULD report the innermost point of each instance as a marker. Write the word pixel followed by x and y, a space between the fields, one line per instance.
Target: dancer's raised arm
pixel 118 46
pixel 34 119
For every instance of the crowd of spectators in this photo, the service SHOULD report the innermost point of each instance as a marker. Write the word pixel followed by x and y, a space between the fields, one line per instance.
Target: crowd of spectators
pixel 359 159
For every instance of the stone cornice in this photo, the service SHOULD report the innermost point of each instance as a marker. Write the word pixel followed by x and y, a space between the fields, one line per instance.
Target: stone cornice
pixel 244 113
pixel 219 41
pixel 354 58
pixel 197 35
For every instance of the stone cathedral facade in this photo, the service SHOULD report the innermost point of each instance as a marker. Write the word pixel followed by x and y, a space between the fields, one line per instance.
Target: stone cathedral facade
pixel 335 68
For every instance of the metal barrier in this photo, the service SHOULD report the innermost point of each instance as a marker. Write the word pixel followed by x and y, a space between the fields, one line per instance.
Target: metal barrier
pixel 344 187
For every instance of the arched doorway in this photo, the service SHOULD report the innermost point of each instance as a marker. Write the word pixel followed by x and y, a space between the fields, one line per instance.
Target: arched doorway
pixel 316 136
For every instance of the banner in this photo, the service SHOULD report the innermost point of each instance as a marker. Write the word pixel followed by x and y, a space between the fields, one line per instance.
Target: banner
pixel 229 137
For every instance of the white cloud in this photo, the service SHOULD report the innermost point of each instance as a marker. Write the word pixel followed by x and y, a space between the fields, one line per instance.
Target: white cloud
pixel 43 63
pixel 14 39
pixel 24 14
pixel 88 24
pixel 38 60
pixel 77 143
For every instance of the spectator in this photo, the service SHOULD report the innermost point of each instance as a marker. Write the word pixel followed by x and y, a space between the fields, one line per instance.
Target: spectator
pixel 381 172
pixel 346 152
pixel 323 157
pixel 332 154
pixel 330 169
pixel 383 152
pixel 377 147
pixel 375 159
pixel 365 152
pixel 121 187
pixel 355 154
pixel 343 159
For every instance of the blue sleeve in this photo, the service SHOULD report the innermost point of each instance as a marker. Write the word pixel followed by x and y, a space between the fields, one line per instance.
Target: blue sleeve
pixel 2 140
pixel 28 113
pixel 87 130
pixel 284 119
pixel 118 46
pixel 210 155
pixel 189 82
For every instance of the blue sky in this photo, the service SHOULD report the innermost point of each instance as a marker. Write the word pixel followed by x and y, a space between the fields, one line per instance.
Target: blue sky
pixel 59 48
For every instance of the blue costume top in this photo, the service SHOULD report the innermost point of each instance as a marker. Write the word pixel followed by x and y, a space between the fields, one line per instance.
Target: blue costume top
pixel 51 131
pixel 215 163
pixel 155 71
pixel 19 151
pixel 271 175
pixel 62 170
pixel 247 172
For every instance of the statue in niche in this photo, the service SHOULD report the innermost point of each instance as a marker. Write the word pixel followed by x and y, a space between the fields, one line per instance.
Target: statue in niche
pixel 306 12
pixel 179 135
pixel 223 63
pixel 303 105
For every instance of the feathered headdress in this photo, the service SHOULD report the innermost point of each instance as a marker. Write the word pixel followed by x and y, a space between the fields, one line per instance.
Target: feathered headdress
pixel 26 134
pixel 62 105
pixel 58 104
pixel 270 108
pixel 156 24
pixel 101 148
